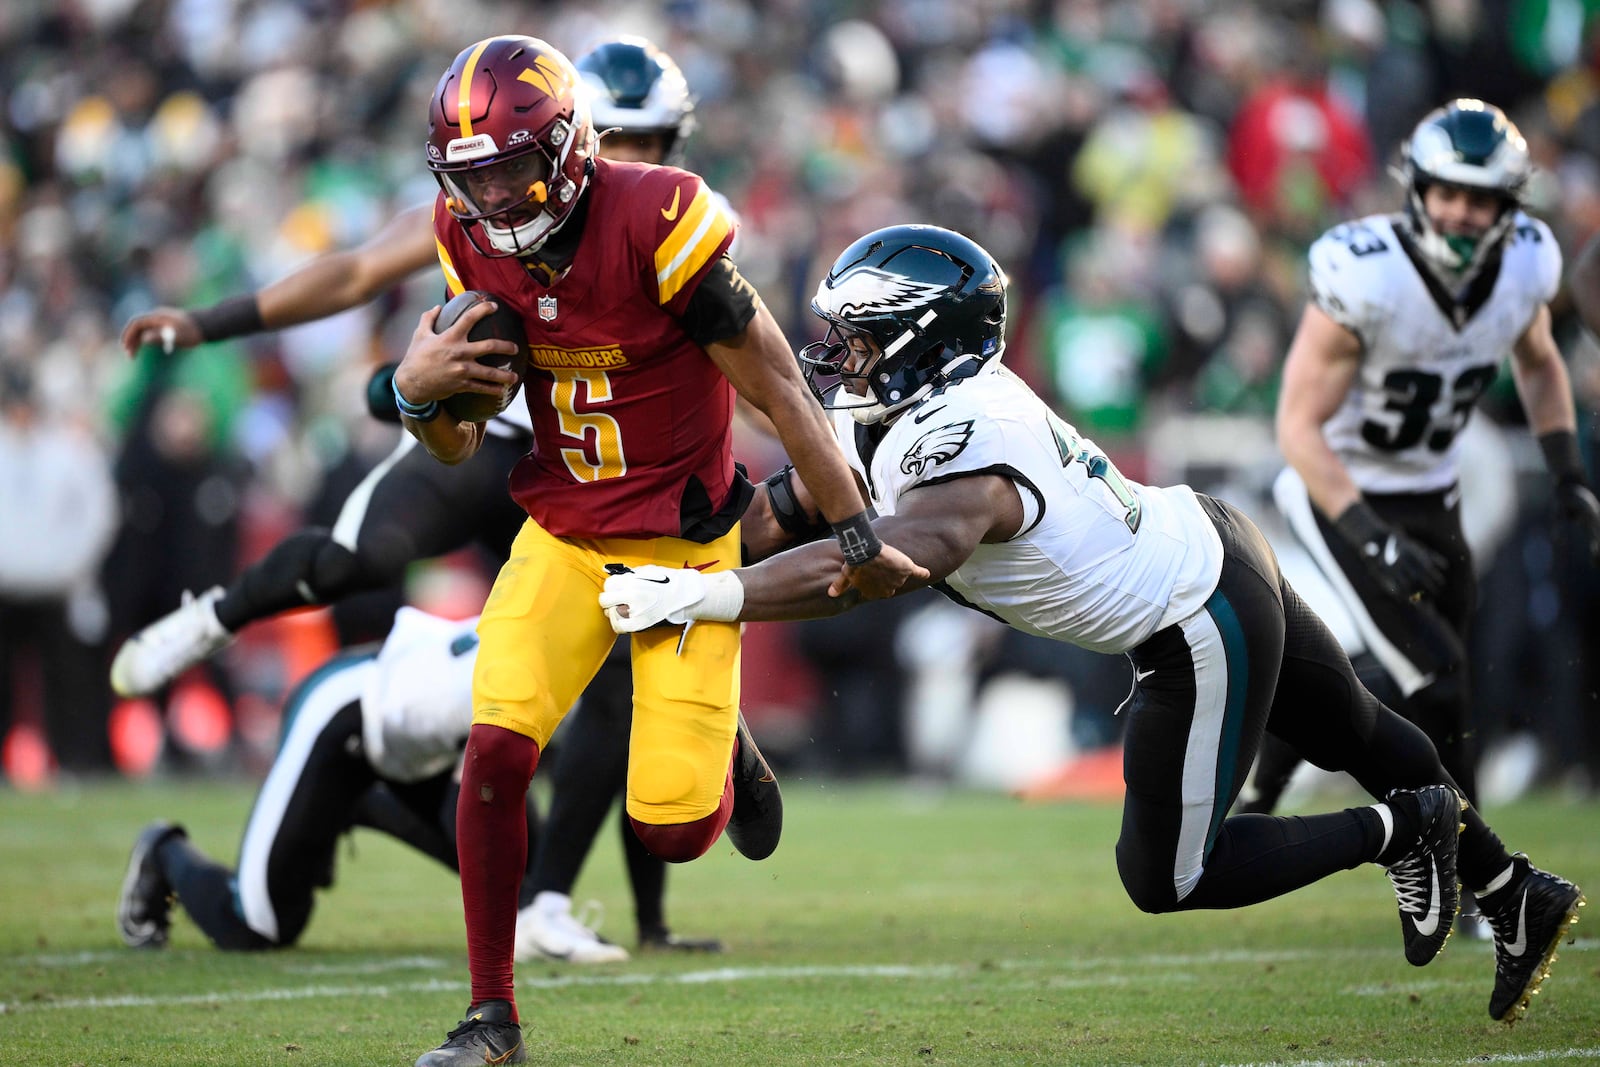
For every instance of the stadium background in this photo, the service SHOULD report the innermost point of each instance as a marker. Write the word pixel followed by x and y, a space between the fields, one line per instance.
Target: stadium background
pixel 1150 173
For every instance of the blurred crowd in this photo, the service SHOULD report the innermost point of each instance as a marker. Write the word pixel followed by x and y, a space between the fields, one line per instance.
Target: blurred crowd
pixel 1151 173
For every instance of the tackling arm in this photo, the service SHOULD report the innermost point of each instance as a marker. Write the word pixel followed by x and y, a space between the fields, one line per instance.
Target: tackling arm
pixel 941 523
pixel 763 370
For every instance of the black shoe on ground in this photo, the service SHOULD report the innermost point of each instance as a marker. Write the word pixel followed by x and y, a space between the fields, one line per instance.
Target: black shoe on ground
pixel 1530 921
pixel 660 939
pixel 1424 876
pixel 757 819
pixel 486 1036
pixel 144 907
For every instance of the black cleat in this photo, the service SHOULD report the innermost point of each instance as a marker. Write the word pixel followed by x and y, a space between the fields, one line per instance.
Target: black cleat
pixel 1471 923
pixel 757 819
pixel 144 908
pixel 1424 877
pixel 660 939
pixel 1530 922
pixel 486 1036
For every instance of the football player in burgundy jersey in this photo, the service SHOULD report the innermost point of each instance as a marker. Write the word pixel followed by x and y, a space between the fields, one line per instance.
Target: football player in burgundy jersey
pixel 640 329
pixel 1020 517
pixel 641 102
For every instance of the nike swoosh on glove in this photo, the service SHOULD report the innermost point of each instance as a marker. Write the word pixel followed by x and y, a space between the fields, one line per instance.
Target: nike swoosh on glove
pixel 650 595
pixel 1404 568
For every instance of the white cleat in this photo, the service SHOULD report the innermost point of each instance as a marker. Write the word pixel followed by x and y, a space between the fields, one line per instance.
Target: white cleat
pixel 547 929
pixel 169 646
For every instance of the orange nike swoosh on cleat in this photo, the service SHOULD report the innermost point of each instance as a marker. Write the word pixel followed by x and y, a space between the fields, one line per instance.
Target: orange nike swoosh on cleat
pixel 671 212
pixel 501 1059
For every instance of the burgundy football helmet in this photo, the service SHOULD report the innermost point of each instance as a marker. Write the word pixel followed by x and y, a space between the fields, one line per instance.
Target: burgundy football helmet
pixel 510 142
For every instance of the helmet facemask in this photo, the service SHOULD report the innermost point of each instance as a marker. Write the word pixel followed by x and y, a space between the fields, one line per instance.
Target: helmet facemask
pixel 510 143
pixel 1472 146
pixel 851 370
pixel 909 309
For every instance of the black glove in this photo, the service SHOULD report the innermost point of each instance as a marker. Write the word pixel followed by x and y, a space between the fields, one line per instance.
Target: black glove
pixel 1576 504
pixel 1575 501
pixel 1404 568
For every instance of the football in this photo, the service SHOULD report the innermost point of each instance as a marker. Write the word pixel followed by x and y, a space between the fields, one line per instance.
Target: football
pixel 503 324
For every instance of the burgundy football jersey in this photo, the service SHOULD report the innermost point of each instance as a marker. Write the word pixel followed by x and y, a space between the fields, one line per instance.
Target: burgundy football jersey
pixel 626 409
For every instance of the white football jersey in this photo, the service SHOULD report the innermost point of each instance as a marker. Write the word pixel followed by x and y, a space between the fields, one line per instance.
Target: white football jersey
pixel 1422 368
pixel 416 708
pixel 1100 561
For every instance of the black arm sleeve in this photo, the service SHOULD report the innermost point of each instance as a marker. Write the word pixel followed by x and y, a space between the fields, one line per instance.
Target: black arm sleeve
pixel 721 307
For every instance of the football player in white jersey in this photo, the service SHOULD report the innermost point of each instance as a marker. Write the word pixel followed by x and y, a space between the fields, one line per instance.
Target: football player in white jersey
pixel 411 507
pixel 1017 515
pixel 1410 317
pixel 372 729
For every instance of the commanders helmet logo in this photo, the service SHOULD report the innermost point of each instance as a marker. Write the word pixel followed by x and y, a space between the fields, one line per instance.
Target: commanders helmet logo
pixel 939 445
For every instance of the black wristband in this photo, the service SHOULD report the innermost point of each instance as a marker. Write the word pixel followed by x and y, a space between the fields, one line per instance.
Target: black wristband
pixel 857 539
pixel 233 317
pixel 786 509
pixel 381 403
pixel 1562 457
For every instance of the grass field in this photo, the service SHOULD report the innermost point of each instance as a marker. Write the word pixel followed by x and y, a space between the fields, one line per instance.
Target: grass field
pixel 895 925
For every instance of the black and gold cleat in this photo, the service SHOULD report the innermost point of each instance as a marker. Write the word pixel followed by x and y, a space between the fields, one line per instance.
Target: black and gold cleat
pixel 1530 919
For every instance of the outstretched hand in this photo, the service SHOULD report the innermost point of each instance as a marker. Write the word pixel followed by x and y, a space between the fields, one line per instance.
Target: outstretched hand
pixel 880 577
pixel 171 328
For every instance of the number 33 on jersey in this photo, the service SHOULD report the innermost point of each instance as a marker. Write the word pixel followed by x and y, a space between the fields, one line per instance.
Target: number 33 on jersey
pixel 1426 359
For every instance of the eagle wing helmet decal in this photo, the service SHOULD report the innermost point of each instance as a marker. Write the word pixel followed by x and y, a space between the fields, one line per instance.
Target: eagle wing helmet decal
pixel 939 445
pixel 870 291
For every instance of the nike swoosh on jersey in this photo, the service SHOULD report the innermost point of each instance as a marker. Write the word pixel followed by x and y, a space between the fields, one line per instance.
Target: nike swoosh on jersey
pixel 1430 921
pixel 1520 945
pixel 671 211
pixel 926 415
pixel 1140 676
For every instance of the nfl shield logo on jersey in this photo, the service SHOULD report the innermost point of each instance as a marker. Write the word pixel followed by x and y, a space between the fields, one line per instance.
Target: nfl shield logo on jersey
pixel 547 308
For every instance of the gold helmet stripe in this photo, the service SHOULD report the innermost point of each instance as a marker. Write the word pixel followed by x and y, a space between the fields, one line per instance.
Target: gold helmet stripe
pixel 464 94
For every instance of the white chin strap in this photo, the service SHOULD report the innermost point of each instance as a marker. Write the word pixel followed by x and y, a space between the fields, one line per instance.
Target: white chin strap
pixel 520 240
pixel 864 409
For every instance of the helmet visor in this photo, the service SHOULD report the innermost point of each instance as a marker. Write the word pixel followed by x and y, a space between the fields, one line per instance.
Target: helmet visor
pixel 505 194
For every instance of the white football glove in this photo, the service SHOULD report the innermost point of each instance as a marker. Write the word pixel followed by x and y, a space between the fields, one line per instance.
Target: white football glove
pixel 650 595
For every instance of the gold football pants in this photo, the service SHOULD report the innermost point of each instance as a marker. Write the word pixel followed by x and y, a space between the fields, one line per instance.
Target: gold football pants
pixel 543 636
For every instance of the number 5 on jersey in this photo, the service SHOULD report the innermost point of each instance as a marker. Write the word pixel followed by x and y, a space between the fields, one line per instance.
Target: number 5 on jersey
pixel 600 457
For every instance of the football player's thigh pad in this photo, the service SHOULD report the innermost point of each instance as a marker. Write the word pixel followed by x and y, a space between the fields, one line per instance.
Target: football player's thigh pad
pixel 542 636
